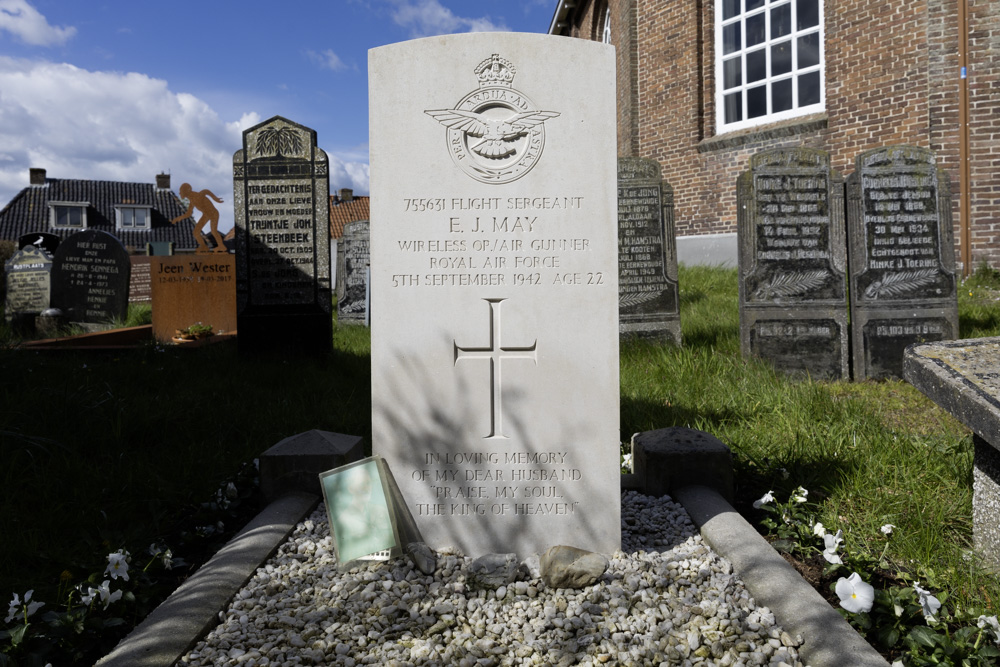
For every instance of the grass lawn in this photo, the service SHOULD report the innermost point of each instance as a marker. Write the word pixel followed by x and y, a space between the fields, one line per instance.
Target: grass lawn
pixel 102 452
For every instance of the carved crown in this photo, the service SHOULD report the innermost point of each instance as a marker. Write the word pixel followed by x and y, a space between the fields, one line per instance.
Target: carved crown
pixel 495 71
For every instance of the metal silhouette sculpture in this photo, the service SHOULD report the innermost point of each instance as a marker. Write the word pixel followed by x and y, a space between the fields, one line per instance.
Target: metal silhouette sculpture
pixel 200 200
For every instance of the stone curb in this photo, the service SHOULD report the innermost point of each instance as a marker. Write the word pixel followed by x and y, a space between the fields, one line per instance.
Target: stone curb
pixel 829 640
pixel 175 626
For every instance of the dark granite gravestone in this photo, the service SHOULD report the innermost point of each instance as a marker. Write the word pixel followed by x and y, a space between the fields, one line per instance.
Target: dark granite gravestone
pixel 902 268
pixel 90 278
pixel 353 305
pixel 29 283
pixel 281 186
pixel 792 263
pixel 44 240
pixel 648 304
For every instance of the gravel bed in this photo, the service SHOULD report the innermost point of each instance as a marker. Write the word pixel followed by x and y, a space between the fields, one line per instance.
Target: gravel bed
pixel 666 599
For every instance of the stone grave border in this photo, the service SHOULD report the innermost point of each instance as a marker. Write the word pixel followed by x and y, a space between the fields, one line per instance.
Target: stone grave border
pixel 173 628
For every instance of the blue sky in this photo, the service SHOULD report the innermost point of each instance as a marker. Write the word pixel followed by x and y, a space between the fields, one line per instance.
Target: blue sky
pixel 125 89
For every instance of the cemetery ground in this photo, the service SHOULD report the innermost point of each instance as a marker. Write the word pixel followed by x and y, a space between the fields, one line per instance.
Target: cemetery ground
pixel 104 452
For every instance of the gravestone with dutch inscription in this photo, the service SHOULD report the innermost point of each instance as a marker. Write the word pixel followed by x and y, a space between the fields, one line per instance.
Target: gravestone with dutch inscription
pixel 281 188
pixel 90 279
pixel 902 270
pixel 792 263
pixel 648 302
pixel 495 283
pixel 352 308
pixel 29 284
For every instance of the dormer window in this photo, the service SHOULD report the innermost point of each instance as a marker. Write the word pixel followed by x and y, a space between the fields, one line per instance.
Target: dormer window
pixel 133 218
pixel 68 215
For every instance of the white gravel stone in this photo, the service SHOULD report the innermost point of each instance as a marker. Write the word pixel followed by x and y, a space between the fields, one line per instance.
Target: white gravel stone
pixel 666 598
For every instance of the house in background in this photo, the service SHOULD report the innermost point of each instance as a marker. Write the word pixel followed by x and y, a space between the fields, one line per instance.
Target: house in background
pixel 136 213
pixel 705 84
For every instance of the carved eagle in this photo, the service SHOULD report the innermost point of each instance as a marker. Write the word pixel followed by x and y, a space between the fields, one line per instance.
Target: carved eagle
pixel 498 136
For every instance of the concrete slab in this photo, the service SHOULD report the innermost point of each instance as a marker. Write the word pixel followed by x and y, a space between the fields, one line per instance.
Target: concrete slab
pixel 193 609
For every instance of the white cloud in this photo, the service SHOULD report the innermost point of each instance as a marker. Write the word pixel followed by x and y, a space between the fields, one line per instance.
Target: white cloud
pixel 424 18
pixel 25 22
pixel 100 125
pixel 327 59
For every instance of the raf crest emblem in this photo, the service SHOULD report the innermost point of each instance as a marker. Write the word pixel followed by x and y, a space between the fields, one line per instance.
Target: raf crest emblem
pixel 495 134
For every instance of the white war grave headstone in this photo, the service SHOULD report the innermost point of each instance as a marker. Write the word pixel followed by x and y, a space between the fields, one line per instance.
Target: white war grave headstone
pixel 495 279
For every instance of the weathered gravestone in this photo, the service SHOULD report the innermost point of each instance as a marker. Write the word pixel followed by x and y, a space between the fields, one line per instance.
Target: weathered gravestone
pixel 193 289
pixel 963 377
pixel 648 303
pixel 792 262
pixel 281 186
pixel 140 289
pixel 29 283
pixel 494 274
pixel 902 269
pixel 90 278
pixel 352 308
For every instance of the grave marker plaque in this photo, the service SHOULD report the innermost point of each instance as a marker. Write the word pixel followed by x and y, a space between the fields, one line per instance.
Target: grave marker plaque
pixel 902 270
pixel 90 278
pixel 353 305
pixel 281 187
pixel 648 304
pixel 792 263
pixel 29 283
pixel 190 289
pixel 495 284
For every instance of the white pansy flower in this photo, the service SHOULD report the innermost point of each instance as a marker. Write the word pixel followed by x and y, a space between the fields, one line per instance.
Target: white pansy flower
pixel 928 603
pixel 887 529
pixel 855 595
pixel 799 495
pixel 107 597
pixel 991 622
pixel 819 530
pixel 832 542
pixel 765 499
pixel 117 565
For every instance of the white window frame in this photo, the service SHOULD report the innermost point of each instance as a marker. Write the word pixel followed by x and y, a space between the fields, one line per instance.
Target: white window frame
pixel 53 218
pixel 123 213
pixel 606 30
pixel 793 38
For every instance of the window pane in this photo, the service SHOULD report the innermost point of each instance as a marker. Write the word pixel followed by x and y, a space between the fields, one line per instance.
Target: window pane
pixel 140 217
pixel 731 38
pixel 781 21
pixel 730 8
pixel 734 110
pixel 808 50
pixel 126 217
pixel 62 216
pixel 732 73
pixel 757 102
pixel 807 14
pixel 755 29
pixel 781 95
pixel 76 217
pixel 809 89
pixel 756 65
pixel 754 4
pixel 781 58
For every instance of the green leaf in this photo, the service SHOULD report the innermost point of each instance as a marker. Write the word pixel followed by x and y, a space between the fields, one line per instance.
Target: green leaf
pixel 786 546
pixel 17 634
pixel 888 636
pixel 923 636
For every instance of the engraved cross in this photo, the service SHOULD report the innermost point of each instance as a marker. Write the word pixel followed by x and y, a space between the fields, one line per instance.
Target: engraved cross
pixel 495 352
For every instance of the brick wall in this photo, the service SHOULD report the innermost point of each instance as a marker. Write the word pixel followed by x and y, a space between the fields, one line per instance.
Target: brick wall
pixel 891 77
